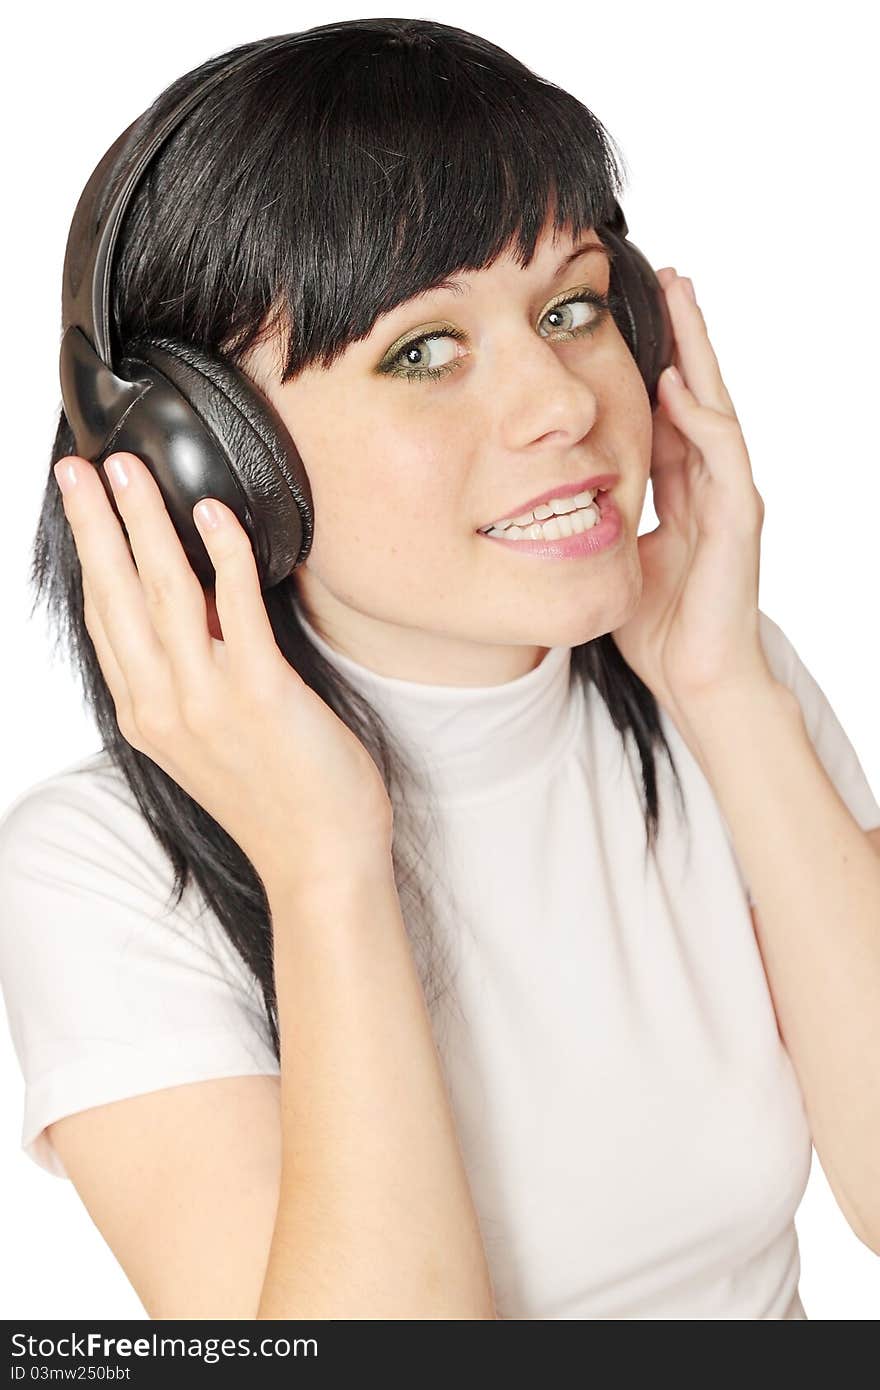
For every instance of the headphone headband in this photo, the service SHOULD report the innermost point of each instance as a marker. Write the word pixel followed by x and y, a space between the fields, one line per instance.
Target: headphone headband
pixel 88 259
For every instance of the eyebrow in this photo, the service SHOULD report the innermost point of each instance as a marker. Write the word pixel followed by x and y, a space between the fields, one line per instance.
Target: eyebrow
pixel 582 251
pixel 464 288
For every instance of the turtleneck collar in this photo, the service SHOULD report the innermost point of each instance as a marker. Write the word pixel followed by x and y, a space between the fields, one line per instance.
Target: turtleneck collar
pixel 475 742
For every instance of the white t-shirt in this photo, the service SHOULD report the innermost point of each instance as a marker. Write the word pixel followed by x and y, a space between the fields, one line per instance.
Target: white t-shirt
pixel 632 1126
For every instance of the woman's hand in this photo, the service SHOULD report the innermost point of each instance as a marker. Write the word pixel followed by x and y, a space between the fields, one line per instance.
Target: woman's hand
pixel 229 720
pixel 695 631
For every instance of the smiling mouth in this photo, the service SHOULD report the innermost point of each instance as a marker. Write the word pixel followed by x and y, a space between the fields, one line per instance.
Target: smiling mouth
pixel 581 502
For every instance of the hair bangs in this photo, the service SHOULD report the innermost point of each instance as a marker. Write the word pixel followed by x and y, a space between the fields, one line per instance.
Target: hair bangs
pixel 439 164
pixel 359 165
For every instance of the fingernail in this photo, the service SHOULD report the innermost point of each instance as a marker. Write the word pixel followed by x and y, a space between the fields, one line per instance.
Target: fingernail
pixel 688 284
pixel 65 474
pixel 117 467
pixel 206 515
pixel 672 375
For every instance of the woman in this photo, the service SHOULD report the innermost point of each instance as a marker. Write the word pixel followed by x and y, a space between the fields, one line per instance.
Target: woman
pixel 420 768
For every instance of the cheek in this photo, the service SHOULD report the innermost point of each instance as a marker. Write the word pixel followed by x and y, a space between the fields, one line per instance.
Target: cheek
pixel 383 506
pixel 629 406
pixel 387 484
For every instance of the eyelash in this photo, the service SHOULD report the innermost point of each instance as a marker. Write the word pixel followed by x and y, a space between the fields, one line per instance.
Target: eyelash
pixel 601 301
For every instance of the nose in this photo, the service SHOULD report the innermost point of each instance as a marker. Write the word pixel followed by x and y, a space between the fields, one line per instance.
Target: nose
pixel 543 401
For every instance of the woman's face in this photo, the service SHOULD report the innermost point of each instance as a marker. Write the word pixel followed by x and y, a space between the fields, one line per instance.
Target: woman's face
pixel 405 471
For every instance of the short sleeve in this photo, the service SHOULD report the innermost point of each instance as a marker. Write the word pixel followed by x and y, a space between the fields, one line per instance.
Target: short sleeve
pixel 110 991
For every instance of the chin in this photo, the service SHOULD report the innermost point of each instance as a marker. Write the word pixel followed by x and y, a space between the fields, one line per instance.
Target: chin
pixel 576 632
pixel 608 611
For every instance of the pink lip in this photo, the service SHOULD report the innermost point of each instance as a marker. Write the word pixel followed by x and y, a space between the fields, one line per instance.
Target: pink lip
pixel 603 480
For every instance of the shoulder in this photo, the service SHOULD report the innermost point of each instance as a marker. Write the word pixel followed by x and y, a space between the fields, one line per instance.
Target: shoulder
pixel 826 732
pixel 82 824
pixel 81 870
pixel 90 791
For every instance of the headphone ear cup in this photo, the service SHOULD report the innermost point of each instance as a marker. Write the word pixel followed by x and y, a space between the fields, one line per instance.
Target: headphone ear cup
pixel 205 430
pixel 638 303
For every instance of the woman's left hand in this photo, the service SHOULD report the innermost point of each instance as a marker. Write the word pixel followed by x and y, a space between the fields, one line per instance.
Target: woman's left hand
pixel 695 631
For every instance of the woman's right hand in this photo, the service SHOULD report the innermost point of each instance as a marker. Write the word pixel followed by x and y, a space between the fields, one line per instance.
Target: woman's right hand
pixel 230 721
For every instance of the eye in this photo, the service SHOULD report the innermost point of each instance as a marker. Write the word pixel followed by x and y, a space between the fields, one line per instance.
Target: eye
pixel 416 355
pixel 576 324
pixel 419 360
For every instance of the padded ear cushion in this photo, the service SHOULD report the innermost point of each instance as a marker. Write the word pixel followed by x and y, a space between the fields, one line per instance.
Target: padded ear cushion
pixel 255 441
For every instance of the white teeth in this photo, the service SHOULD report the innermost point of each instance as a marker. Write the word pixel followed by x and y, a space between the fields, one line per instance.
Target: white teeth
pixel 553 529
pixel 557 506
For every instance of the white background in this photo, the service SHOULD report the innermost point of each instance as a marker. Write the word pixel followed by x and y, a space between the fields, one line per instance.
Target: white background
pixel 749 133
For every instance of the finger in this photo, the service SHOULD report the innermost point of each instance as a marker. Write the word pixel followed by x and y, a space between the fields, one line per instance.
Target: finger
pixel 112 671
pixel 172 592
pixel 669 475
pixel 719 448
pixel 248 639
pixel 696 359
pixel 116 592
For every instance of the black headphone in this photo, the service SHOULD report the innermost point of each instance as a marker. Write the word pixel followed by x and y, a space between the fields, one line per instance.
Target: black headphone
pixel 199 424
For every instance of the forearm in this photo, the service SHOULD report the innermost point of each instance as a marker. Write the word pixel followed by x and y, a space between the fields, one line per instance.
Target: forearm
pixel 815 880
pixel 375 1216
